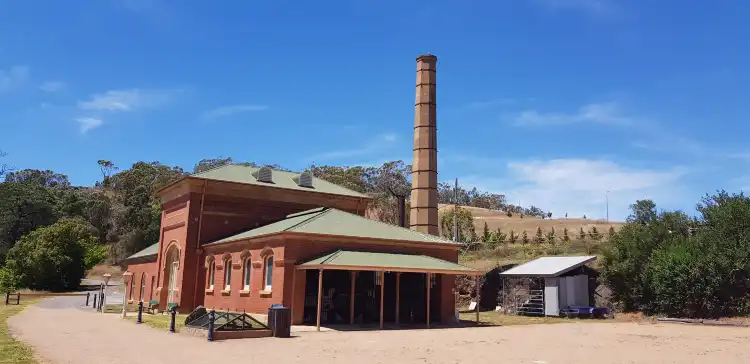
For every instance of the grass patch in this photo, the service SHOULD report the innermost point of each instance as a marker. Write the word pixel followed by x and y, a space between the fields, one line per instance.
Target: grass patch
pixel 499 319
pixel 159 321
pixel 12 350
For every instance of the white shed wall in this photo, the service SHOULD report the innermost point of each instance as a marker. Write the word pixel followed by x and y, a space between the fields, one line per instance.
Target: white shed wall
pixel 551 297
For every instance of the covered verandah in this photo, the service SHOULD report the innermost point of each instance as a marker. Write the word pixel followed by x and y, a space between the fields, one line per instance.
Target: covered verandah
pixel 356 287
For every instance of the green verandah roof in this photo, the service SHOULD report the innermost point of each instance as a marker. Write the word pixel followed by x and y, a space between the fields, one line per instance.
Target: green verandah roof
pixel 151 251
pixel 355 260
pixel 329 221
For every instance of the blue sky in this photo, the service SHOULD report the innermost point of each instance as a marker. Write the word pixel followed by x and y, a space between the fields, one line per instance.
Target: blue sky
pixel 552 102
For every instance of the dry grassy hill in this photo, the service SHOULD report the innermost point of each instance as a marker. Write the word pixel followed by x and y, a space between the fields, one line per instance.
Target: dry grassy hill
pixel 499 219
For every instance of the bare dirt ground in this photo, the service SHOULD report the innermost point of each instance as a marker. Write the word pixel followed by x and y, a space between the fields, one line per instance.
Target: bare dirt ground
pixel 62 334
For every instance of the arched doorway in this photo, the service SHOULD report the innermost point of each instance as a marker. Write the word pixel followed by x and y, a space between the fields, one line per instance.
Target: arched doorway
pixel 171 269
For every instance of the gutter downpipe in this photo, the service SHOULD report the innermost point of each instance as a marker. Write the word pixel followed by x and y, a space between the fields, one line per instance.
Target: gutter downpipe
pixel 198 244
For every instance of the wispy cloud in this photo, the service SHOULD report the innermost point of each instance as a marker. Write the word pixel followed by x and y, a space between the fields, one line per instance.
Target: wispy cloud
pixel 101 105
pixel 130 99
pixel 647 133
pixel 52 86
pixel 229 110
pixel 599 113
pixel 88 123
pixel 379 143
pixel 579 186
pixel 13 77
pixel 593 7
pixel 490 103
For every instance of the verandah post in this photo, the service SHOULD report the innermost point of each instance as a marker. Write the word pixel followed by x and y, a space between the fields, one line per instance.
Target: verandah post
pixel 429 277
pixel 398 295
pixel 382 295
pixel 320 297
pixel 477 308
pixel 351 299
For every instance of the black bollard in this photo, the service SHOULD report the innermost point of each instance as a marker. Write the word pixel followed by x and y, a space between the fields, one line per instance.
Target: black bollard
pixel 87 298
pixel 173 311
pixel 7 297
pixel 140 312
pixel 211 319
pixel 94 305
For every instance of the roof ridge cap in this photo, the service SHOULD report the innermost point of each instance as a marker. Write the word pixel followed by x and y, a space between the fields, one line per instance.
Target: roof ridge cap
pixel 210 169
pixel 309 219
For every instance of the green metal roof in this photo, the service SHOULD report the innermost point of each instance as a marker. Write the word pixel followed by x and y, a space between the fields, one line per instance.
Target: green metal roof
pixel 329 221
pixel 385 261
pixel 151 250
pixel 281 179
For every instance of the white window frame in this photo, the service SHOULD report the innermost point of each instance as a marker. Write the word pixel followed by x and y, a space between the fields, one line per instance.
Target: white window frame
pixel 227 274
pixel 268 273
pixel 246 276
pixel 211 274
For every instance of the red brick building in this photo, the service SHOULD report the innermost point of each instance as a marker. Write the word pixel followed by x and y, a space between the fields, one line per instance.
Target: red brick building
pixel 241 238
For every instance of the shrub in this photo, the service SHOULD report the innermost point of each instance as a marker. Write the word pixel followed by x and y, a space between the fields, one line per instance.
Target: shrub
pixel 52 258
pixel 658 265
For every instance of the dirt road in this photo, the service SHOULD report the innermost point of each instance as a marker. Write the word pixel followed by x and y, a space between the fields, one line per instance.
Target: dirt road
pixel 62 334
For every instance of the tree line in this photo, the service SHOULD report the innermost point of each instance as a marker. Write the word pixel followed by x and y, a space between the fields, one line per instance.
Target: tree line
pixel 489 239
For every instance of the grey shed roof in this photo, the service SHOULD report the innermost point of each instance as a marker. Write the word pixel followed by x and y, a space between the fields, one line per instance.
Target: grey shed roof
pixel 281 179
pixel 548 266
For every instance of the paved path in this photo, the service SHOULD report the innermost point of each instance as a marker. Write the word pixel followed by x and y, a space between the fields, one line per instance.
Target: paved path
pixel 71 335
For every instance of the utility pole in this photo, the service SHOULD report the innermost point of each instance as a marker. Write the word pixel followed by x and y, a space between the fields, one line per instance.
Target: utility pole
pixel 606 197
pixel 455 210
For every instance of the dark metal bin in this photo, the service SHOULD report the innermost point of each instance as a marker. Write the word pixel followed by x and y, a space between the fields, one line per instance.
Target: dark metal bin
pixel 280 320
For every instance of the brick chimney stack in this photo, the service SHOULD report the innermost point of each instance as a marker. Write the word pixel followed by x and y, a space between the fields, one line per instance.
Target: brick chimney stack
pixel 424 194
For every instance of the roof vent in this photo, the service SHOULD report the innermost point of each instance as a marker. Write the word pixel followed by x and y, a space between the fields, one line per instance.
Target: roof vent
pixel 305 179
pixel 265 174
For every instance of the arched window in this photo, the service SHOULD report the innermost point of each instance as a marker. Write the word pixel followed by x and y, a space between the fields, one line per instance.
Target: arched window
pixel 151 290
pixel 132 286
pixel 143 286
pixel 211 270
pixel 268 274
pixel 228 274
pixel 248 266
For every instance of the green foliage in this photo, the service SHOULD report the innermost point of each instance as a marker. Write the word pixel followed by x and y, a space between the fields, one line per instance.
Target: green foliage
pixel 594 234
pixel 550 236
pixel 39 178
pixel 94 254
pixel 611 231
pixel 486 233
pixel 464 223
pixel 643 212
pixel 524 238
pixel 8 281
pixel 500 236
pixel 23 208
pixel 539 237
pixel 654 264
pixel 566 236
pixel 512 237
pixel 52 258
